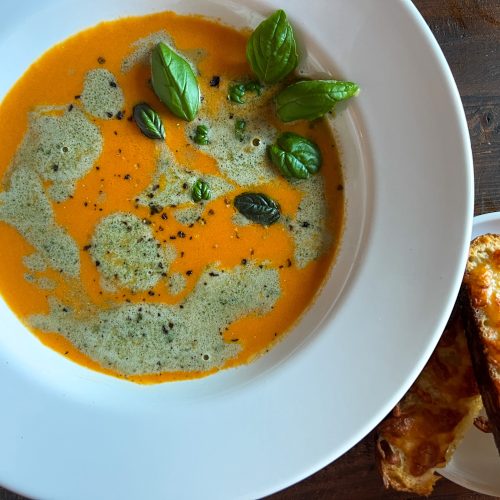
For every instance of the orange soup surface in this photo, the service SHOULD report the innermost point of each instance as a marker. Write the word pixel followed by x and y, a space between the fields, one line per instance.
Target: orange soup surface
pixel 105 254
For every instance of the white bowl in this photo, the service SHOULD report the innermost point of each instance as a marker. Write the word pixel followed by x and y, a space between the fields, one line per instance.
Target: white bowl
pixel 68 432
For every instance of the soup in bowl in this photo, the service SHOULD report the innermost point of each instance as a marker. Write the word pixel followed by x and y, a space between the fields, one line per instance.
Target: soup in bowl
pixel 172 198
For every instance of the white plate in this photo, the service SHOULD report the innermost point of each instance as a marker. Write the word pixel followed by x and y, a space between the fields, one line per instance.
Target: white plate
pixel 475 463
pixel 69 433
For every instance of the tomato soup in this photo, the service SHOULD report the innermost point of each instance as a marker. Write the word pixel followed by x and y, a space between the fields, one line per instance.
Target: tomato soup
pixel 106 254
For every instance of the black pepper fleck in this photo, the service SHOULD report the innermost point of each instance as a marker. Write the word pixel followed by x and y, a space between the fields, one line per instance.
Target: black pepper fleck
pixel 154 209
pixel 214 82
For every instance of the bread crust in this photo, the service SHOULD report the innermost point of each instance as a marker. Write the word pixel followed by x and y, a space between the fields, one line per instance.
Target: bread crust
pixel 480 298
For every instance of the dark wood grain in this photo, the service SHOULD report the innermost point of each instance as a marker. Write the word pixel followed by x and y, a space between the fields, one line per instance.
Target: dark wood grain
pixel 469 34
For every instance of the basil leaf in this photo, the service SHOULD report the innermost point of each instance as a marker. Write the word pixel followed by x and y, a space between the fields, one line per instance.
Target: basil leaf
pixel 258 208
pixel 174 82
pixel 272 50
pixel 254 87
pixel 238 90
pixel 239 129
pixel 148 121
pixel 201 135
pixel 310 99
pixel 295 156
pixel 201 190
pixel 236 93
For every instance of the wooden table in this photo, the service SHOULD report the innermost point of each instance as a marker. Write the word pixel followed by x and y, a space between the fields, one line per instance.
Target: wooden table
pixel 469 34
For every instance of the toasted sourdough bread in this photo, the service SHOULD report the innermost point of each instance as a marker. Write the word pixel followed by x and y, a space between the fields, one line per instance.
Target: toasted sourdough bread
pixel 424 429
pixel 481 305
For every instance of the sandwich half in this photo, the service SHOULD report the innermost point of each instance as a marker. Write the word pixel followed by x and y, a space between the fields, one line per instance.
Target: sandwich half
pixel 423 430
pixel 481 305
